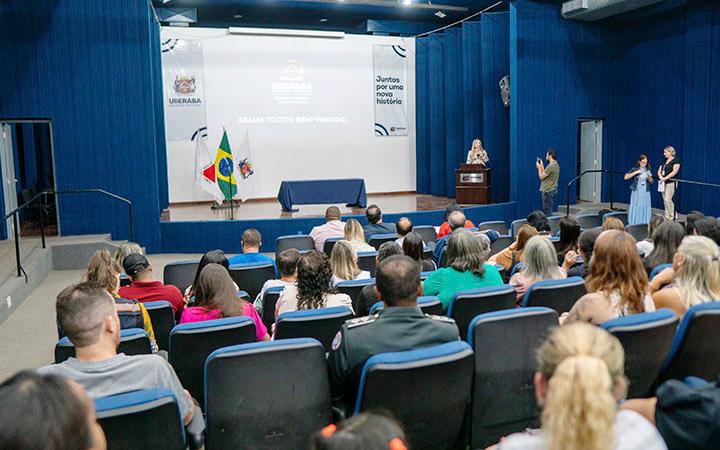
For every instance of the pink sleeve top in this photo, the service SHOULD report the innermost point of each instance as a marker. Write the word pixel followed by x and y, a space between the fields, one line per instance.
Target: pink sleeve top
pixel 199 314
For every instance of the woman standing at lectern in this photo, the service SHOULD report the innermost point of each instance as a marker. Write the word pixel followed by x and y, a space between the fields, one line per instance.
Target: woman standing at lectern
pixel 641 176
pixel 477 154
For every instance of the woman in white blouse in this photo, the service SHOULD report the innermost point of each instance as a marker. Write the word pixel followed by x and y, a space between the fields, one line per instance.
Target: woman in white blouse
pixel 477 154
pixel 355 235
pixel 343 262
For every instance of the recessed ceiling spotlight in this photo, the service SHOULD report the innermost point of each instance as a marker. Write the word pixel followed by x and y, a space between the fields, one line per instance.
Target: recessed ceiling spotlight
pixel 323 20
pixel 237 16
pixel 406 2
pixel 441 14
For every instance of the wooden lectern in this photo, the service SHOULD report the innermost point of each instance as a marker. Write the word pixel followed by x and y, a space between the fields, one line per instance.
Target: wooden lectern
pixel 472 184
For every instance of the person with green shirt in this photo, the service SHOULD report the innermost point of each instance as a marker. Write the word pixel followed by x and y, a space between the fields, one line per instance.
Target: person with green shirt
pixel 548 180
pixel 466 256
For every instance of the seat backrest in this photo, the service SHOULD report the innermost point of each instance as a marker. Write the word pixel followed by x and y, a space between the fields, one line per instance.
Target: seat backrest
pixel 643 361
pixel 465 305
pixel 428 304
pixel 250 278
pixel 149 418
pixel 638 231
pixel 694 350
pixel 266 394
pixel 498 225
pixel 330 243
pixel 133 341
pixel 505 344
pixel 435 383
pixel 191 343
pixel 623 216
pixel 367 261
pixel 321 324
pixel 180 273
pixel 517 268
pixel 659 268
pixel 427 232
pixel 559 295
pixel 515 226
pixel 554 222
pixel 353 289
pixel 500 244
pixel 588 221
pixel 125 280
pixel 162 318
pixel 376 240
pixel 300 242
pixel 270 298
pixel 443 258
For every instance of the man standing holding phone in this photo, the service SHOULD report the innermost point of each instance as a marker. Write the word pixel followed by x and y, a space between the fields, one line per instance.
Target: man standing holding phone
pixel 548 180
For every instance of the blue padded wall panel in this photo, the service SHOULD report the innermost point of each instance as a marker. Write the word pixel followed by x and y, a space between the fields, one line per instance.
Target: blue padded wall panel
pixel 455 147
pixel 436 122
pixel 422 115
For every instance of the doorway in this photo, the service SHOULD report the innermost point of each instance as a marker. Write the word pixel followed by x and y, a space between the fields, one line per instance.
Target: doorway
pixel 27 162
pixel 590 158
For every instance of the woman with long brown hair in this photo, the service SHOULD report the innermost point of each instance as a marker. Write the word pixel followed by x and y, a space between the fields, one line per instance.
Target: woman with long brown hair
pixel 514 253
pixel 216 296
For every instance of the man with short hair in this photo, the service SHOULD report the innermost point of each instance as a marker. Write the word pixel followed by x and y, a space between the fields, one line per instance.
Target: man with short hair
pixel 548 180
pixel 144 288
pixel 403 227
pixel 287 262
pixel 251 243
pixel 375 223
pixel 332 228
pixel 400 326
pixel 456 220
pixel 86 312
pixel 368 296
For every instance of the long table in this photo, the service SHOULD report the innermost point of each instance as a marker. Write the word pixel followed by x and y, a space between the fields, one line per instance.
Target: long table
pixel 313 192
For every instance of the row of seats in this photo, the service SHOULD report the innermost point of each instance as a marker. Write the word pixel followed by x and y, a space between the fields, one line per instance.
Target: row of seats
pixel 490 372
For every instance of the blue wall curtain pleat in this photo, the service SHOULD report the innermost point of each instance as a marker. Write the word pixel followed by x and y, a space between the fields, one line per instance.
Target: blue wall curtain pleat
pixel 159 115
pixel 472 83
pixel 436 107
pixel 454 114
pixel 422 116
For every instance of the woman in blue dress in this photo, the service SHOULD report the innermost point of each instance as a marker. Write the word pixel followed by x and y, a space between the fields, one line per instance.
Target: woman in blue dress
pixel 640 205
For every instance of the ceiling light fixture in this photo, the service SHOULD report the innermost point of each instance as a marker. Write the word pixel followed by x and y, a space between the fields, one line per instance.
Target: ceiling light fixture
pixel 441 14
pixel 406 2
pixel 237 16
pixel 323 20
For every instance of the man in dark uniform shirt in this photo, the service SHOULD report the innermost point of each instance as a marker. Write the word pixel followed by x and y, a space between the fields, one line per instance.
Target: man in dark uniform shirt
pixel 375 223
pixel 400 326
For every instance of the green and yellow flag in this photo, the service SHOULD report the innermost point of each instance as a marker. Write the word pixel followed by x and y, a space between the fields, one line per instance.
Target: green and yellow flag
pixel 224 169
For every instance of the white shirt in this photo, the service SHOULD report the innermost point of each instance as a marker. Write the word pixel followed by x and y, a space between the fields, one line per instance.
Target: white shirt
pixel 632 432
pixel 321 233
pixel 363 275
pixel 644 248
pixel 288 300
pixel 361 246
pixel 267 285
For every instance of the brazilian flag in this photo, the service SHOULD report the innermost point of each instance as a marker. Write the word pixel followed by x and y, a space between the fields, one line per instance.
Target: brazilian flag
pixel 224 170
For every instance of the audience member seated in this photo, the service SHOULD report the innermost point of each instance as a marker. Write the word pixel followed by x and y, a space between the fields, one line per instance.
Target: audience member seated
pixel 515 252
pixel 456 221
pixel 400 326
pixel 368 295
pixel 616 273
pixel 125 249
pixel 105 271
pixel 690 220
pixel 466 256
pixel 251 243
pixel 538 220
pixel 144 288
pixel 646 246
pixel 695 276
pixel 314 287
pixel 366 431
pixel 445 228
pixel 87 314
pixel 540 264
pixel 578 264
pixel 356 237
pixel 41 412
pixel 375 223
pixel 569 234
pixel 402 228
pixel 211 257
pixel 343 261
pixel 287 262
pixel 579 383
pixel 613 223
pixel 216 296
pixel 708 227
pixel 413 247
pixel 332 228
pixel 666 240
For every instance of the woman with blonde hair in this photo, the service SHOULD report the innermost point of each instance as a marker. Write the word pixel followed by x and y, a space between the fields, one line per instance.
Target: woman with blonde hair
pixel 124 250
pixel 695 275
pixel 355 235
pixel 579 382
pixel 613 223
pixel 514 253
pixel 477 154
pixel 343 261
pixel 540 264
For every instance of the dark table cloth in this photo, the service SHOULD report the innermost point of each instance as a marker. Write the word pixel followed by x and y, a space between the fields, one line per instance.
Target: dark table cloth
pixel 350 191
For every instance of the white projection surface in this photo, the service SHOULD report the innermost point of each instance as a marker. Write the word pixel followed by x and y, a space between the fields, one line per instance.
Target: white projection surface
pixel 308 107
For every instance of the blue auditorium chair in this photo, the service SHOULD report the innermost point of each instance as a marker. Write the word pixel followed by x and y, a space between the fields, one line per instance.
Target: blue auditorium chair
pixel 180 273
pixel 191 343
pixel 376 240
pixel 695 350
pixel 517 268
pixel 301 242
pixel 505 344
pixel 125 280
pixel 588 221
pixel 162 318
pixel 427 232
pixel 133 341
pixel 149 418
pixel 321 324
pixel 466 304
pixel 266 394
pixel 429 304
pixel 559 295
pixel 435 385
pixel 270 298
pixel 367 261
pixel 498 225
pixel 330 243
pixel 353 288
pixel 515 226
pixel 251 277
pixel 554 222
pixel 638 231
pixel 643 361
pixel 500 244
pixel 623 216
pixel 659 268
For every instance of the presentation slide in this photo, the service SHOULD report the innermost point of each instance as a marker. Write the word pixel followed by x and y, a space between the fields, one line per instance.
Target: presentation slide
pixel 296 108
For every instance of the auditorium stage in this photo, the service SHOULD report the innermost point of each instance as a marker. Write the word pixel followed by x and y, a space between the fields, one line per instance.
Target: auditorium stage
pixel 395 203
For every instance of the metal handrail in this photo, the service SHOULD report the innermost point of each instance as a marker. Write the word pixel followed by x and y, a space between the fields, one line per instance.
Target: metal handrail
pixel 15 215
pixel 567 192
